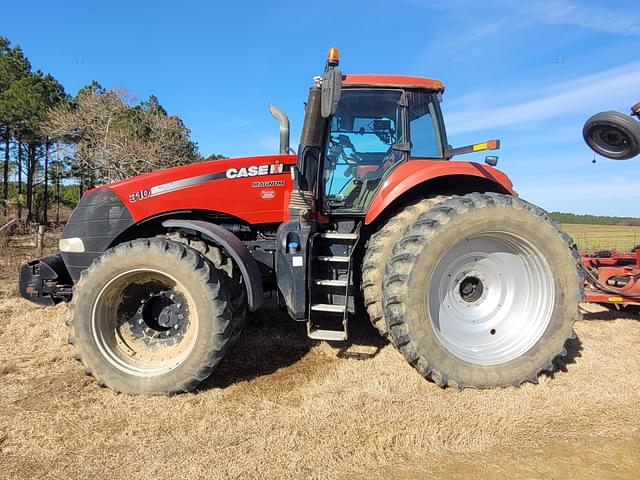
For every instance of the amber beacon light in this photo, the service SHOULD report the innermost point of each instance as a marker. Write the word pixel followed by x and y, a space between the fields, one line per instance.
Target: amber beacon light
pixel 333 56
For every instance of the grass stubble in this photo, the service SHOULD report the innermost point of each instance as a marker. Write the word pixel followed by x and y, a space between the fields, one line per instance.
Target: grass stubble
pixel 281 406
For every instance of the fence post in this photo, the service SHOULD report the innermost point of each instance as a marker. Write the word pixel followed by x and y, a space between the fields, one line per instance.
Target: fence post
pixel 40 239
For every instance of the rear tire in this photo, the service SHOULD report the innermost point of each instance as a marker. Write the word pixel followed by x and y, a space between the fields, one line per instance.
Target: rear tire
pixel 151 316
pixel 482 292
pixel 377 253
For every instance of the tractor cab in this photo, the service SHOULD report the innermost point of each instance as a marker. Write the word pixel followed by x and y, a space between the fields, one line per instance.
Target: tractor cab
pixel 374 129
pixel 357 129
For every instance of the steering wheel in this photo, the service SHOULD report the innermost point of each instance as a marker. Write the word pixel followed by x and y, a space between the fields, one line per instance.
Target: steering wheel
pixel 338 145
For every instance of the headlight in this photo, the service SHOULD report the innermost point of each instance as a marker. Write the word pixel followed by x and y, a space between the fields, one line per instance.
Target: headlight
pixel 73 244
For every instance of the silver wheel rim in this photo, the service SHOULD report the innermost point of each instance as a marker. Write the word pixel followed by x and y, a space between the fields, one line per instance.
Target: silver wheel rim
pixel 490 298
pixel 112 330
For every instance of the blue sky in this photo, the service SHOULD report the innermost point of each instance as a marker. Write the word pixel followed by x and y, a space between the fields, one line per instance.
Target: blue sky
pixel 527 72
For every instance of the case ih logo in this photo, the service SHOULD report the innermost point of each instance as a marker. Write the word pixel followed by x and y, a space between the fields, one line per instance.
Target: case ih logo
pixel 255 171
pixel 232 173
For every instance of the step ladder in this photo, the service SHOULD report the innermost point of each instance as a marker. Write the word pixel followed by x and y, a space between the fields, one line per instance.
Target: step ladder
pixel 330 285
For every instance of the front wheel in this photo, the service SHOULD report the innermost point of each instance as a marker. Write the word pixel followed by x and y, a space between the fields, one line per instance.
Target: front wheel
pixel 482 291
pixel 151 316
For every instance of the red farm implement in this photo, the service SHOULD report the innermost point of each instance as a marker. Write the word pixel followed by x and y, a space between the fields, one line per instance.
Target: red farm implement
pixel 613 278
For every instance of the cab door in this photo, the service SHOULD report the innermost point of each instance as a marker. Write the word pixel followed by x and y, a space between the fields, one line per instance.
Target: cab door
pixel 365 139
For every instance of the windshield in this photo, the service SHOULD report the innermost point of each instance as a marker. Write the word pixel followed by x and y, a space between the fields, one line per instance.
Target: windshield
pixel 366 126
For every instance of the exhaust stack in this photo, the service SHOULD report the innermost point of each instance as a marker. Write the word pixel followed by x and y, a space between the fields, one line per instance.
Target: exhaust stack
pixel 284 127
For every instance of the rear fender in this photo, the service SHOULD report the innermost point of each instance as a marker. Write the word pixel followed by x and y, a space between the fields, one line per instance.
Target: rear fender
pixel 416 173
pixel 235 248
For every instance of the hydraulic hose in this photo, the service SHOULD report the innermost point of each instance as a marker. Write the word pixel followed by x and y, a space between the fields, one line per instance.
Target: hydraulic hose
pixel 606 288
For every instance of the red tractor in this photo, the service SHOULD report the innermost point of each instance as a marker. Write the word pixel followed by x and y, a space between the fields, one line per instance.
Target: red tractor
pixel 473 285
pixel 613 278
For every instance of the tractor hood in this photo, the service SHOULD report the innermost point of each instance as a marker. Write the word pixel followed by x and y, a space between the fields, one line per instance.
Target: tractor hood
pixel 252 189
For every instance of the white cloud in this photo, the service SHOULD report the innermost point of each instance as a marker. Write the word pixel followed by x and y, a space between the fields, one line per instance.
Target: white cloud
pixel 502 17
pixel 606 89
pixel 567 12
pixel 474 35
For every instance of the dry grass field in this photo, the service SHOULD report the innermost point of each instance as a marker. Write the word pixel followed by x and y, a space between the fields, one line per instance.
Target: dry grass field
pixel 282 406
pixel 596 237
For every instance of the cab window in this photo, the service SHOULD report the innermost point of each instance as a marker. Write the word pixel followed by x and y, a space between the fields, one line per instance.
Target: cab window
pixel 423 126
pixel 360 147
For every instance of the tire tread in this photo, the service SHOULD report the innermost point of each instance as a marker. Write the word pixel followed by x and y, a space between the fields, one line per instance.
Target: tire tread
pixel 400 268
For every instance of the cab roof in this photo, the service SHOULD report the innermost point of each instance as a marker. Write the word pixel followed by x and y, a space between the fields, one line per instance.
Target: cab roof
pixel 398 81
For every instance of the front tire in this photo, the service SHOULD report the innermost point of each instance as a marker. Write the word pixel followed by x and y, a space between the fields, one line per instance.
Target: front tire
pixel 151 316
pixel 482 292
pixel 225 266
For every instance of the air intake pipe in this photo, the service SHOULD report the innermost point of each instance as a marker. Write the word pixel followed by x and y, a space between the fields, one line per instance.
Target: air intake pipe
pixel 284 127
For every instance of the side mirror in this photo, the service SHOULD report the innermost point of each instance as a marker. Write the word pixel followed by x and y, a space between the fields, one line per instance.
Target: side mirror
pixel 331 90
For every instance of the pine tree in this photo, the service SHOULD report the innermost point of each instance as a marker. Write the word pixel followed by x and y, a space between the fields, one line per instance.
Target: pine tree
pixel 24 106
pixel 13 66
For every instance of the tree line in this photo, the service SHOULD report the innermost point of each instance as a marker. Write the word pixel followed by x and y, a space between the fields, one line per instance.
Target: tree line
pixel 564 217
pixel 55 146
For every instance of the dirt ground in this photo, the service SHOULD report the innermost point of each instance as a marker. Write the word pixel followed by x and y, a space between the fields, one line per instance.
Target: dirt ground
pixel 281 406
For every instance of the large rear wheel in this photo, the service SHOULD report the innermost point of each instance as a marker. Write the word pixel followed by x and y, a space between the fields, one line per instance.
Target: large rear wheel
pixel 482 291
pixel 151 316
pixel 378 250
